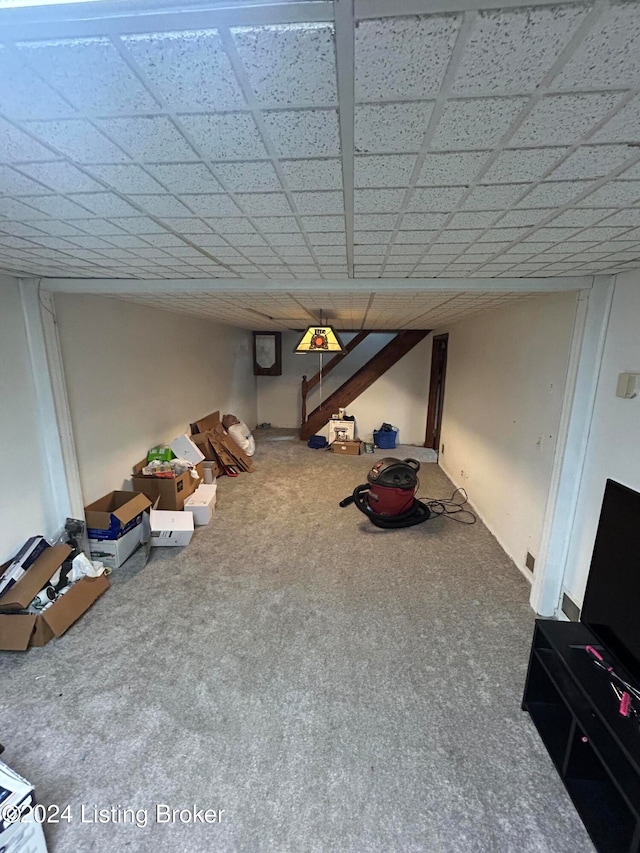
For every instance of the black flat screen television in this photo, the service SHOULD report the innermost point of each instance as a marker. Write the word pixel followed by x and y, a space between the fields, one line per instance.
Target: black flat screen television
pixel 611 607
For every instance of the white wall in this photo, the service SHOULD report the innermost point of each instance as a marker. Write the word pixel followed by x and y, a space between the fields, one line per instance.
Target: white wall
pixel 399 397
pixel 26 503
pixel 504 388
pixel 137 377
pixel 612 450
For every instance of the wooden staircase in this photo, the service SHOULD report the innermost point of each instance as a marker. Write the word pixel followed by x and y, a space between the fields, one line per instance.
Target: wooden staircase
pixel 360 381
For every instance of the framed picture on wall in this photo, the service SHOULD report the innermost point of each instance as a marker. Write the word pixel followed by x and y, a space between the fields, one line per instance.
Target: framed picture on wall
pixel 267 353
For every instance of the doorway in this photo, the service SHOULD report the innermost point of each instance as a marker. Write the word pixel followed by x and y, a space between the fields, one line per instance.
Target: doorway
pixel 436 391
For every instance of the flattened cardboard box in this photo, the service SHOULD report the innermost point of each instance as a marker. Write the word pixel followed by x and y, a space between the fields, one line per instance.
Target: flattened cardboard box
pixel 170 492
pixel 206 423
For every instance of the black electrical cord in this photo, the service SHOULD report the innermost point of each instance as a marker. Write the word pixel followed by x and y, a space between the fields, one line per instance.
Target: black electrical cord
pixel 451 507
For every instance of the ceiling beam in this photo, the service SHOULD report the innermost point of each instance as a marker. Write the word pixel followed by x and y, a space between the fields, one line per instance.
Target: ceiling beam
pixel 106 286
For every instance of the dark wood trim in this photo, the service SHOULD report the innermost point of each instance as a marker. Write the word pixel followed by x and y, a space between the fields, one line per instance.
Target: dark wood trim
pixel 353 343
pixel 276 368
pixel 436 391
pixel 362 379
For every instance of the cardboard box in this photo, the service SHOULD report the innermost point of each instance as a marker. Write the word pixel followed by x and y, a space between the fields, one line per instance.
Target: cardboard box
pixel 184 448
pixel 340 430
pixel 115 514
pixel 211 470
pixel 19 631
pixel 18 836
pixel 202 503
pixel 206 423
pixel 169 492
pixel 114 552
pixel 170 528
pixel 346 448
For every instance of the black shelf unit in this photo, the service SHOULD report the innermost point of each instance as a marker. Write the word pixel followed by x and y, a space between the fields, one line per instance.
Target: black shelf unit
pixel 595 750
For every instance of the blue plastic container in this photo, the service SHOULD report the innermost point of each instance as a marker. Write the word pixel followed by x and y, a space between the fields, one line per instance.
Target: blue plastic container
pixel 385 439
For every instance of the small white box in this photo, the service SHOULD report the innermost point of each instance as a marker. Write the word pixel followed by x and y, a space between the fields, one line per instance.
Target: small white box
pixel 340 430
pixel 22 836
pixel 113 552
pixel 201 503
pixel 184 448
pixel 170 527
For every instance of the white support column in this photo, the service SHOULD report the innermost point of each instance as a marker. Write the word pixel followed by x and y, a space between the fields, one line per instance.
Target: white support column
pixel 54 419
pixel 590 328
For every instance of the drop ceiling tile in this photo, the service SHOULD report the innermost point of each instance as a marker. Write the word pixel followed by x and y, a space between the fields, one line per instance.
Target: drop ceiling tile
pixel 135 225
pixel 522 166
pixel 592 161
pixel 288 240
pixel 76 139
pixel 609 56
pixel 446 169
pixel 582 216
pixel 327 238
pixel 319 202
pixel 312 174
pixel 378 201
pixel 211 204
pixel 614 193
pixel 62 229
pixel 304 133
pixel 19 229
pixel 323 223
pixel 624 126
pixel 562 119
pixel 90 73
pixel 511 51
pixel 14 183
pixel 375 221
pixel 625 217
pixel 128 241
pixel 149 138
pixel 475 122
pixel 420 221
pixel 264 204
pixel 162 205
pixel 190 70
pixel 383 170
pixel 248 177
pixel 555 235
pixel 522 218
pixel 463 235
pixel 231 225
pixel 103 204
pixel 18 147
pixel 56 206
pixel 289 65
pixel 276 224
pixel 371 237
pixel 473 219
pixel 185 177
pixel 125 179
pixel 493 197
pixel 420 238
pixel 442 199
pixel 403 57
pixel 88 241
pixel 391 128
pixel 554 194
pixel 23 94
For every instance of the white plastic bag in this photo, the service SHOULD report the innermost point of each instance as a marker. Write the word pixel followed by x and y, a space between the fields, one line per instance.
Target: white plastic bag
pixel 241 434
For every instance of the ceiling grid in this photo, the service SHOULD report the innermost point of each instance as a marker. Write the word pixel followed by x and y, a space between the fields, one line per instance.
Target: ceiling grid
pixel 409 144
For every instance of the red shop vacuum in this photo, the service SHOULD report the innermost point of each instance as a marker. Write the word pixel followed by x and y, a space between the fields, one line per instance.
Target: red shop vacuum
pixel 388 498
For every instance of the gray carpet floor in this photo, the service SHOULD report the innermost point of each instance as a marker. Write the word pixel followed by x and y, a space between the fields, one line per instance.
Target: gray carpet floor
pixel 329 685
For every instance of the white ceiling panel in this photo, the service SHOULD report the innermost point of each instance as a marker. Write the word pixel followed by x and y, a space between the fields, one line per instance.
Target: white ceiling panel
pixel 289 65
pixel 487 143
pixel 403 57
pixel 190 70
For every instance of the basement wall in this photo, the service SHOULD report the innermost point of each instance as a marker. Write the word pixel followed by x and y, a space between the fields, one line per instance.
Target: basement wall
pixel 137 377
pixel 399 397
pixel 26 505
pixel 504 389
pixel 612 449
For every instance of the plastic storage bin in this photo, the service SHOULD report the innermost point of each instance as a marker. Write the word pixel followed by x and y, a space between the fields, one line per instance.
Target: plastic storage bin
pixel 385 439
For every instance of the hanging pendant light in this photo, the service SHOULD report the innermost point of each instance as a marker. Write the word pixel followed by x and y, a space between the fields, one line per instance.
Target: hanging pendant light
pixel 319 338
